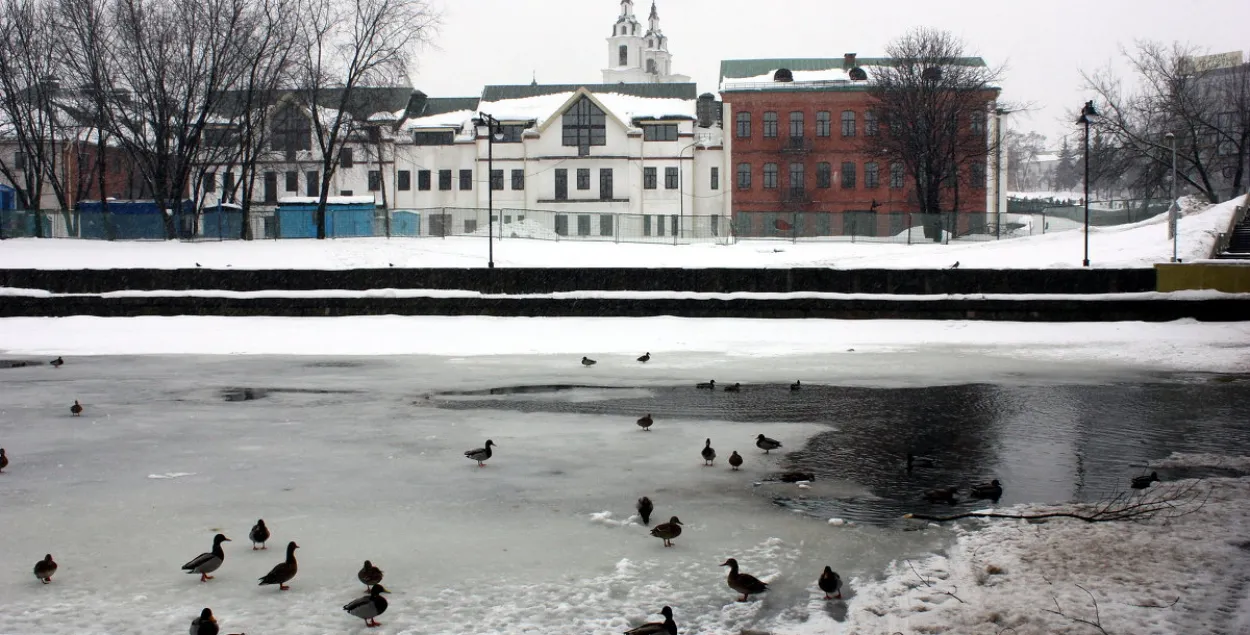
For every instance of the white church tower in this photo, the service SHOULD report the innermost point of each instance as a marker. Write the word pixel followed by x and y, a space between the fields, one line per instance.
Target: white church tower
pixel 635 57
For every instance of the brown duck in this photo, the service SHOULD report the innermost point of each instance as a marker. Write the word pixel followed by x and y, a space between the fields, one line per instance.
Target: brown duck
pixel 709 454
pixel 645 507
pixel 259 535
pixel 743 583
pixel 830 582
pixel 75 409
pixel 45 568
pixel 735 460
pixel 369 574
pixel 282 572
pixel 668 531
pixel 645 422
pixel 657 628
pixel 4 460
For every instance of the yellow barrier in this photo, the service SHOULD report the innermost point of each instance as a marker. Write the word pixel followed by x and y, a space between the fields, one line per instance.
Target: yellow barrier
pixel 1227 277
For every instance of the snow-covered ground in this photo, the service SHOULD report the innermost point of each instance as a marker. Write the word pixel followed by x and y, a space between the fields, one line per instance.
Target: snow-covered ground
pixel 1136 245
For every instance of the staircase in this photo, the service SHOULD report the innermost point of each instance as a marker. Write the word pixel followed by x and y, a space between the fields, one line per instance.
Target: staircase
pixel 1238 241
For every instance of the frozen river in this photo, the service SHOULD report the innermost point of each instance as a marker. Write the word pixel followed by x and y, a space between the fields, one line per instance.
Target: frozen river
pixel 361 458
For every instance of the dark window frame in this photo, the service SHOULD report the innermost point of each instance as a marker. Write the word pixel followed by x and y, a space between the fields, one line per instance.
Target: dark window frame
pixel 715 178
pixel 848 123
pixel 872 175
pixel 292 181
pixel 403 181
pixel 347 158
pixel 584 125
pixel 672 178
pixel 649 178
pixel 660 132
pixel 797 124
pixel 824 175
pixel 898 176
pixel 742 125
pixel 743 176
pixel 375 180
pixel 770 124
pixel 466 180
pixel 444 180
pixel 518 179
pixel 583 179
pixel 424 180
pixel 771 176
pixel 824 123
pixel 849 176
pixel 496 180
pixel 433 137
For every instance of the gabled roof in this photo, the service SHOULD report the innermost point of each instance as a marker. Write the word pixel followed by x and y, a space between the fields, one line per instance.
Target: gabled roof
pixel 651 91
pixel 623 102
pixel 421 105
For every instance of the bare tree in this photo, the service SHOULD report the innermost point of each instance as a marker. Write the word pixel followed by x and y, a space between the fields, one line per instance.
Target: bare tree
pixel 1205 105
pixel 353 44
pixel 935 100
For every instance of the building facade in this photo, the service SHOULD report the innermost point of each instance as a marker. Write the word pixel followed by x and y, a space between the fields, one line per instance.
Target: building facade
pixel 636 56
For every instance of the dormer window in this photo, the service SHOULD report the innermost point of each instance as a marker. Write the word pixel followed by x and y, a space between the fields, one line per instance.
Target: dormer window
pixel 585 125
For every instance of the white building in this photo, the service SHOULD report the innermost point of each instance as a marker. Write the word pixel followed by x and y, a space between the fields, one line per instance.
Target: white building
pixel 635 57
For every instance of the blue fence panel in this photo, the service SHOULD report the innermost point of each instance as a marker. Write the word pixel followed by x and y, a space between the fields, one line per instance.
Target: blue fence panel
pixel 405 224
pixel 345 222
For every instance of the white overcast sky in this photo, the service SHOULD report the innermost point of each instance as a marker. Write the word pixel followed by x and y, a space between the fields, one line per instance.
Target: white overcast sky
pixel 1044 44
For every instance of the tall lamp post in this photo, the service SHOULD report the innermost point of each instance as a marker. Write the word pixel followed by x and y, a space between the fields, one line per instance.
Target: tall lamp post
pixel 998 170
pixel 1088 116
pixel 681 191
pixel 1173 211
pixel 492 130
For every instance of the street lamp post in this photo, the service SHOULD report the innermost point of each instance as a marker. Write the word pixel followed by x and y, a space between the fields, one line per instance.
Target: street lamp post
pixel 1173 211
pixel 681 191
pixel 998 170
pixel 492 129
pixel 1088 115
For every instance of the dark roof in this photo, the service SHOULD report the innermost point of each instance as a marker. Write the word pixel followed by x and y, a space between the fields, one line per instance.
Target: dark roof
pixel 736 69
pixel 419 105
pixel 364 102
pixel 654 91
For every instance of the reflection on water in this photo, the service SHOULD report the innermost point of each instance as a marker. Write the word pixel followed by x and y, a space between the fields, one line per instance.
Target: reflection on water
pixel 1045 443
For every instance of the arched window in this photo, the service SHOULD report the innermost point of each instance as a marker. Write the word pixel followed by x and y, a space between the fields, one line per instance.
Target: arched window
pixel 292 131
pixel 623 55
pixel 585 125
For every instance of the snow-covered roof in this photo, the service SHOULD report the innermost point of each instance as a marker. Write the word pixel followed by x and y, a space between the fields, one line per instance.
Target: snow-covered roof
pixel 454 119
pixel 331 200
pixel 540 108
pixel 826 75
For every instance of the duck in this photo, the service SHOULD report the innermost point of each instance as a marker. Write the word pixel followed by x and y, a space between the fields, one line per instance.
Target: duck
pixel 369 607
pixel 282 572
pixel 941 495
pixel 668 531
pixel 586 361
pixel 259 534
pixel 920 461
pixel 205 624
pixel 656 628
pixel 737 387
pixel 45 568
pixel 645 422
pixel 57 363
pixel 481 454
pixel 1142 482
pixel 796 385
pixel 830 582
pixel 709 455
pixel 208 562
pixel 645 358
pixel 764 443
pixel 743 583
pixel 75 409
pixel 4 460
pixel 369 574
pixel 992 490
pixel 735 461
pixel 644 509
pixel 707 385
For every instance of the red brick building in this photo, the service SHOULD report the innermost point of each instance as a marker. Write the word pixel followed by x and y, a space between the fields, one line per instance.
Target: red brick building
pixel 796 128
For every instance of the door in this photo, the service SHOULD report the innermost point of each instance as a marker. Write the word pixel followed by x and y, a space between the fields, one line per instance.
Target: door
pixel 562 185
pixel 439 223
pixel 562 225
pixel 271 187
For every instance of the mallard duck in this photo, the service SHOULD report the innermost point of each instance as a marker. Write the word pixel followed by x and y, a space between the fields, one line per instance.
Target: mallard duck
pixel 764 443
pixel 282 572
pixel 830 582
pixel 208 562
pixel 481 454
pixel 656 628
pixel 1142 482
pixel 941 495
pixel 668 531
pixel 259 534
pixel 205 624
pixel 57 363
pixel 735 460
pixel 644 509
pixel 369 574
pixel 586 361
pixel 645 422
pixel 369 607
pixel 4 460
pixel 737 387
pixel 645 358
pixel 707 385
pixel 75 409
pixel 45 568
pixel 796 385
pixel 743 583
pixel 992 489
pixel 709 455
pixel 797 477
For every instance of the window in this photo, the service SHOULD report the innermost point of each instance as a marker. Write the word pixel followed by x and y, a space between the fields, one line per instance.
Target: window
pixel 715 178
pixel 896 176
pixel 743 125
pixel 797 174
pixel 848 176
pixel 648 179
pixel 872 176
pixel 312 183
pixel 511 133
pixel 562 185
pixel 562 222
pixel 470 225
pixel 292 181
pixel 496 179
pixel 670 178
pixel 824 175
pixel 605 225
pixel 824 123
pixel 744 176
pixel 583 178
pixel 271 187
pixel 622 54
pixel 661 132
pixel 291 132
pixel 403 181
pixel 375 180
pixel 423 180
pixel 227 183
pixel 605 184
pixel 796 125
pixel 345 158
pixel 585 125
pixel 210 182
pixel 518 179
pixel 870 124
pixel 646 224
pixel 346 192
pixel 978 175
pixel 770 125
pixel 896 127
pixel 466 180
pixel 19 160
pixel 444 179
pixel 583 224
pixel 434 138
pixel 770 176
pixel 977 124
pixel 848 123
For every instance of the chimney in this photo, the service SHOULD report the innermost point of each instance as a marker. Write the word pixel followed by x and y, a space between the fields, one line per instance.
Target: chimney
pixel 848 61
